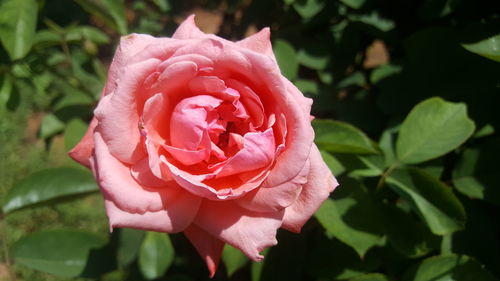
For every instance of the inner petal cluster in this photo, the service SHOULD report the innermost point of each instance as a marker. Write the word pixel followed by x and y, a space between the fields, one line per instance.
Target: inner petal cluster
pixel 211 133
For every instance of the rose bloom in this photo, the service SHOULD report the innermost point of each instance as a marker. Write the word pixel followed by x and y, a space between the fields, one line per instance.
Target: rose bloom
pixel 204 136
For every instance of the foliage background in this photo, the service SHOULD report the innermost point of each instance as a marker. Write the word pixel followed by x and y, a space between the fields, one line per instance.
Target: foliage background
pixel 419 195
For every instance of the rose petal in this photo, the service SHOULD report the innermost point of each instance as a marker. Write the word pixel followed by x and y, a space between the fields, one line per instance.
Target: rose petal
pixel 188 124
pixel 300 134
pixel 320 182
pixel 188 30
pixel 118 114
pixel 275 198
pixel 129 46
pixel 180 209
pixel 251 232
pixel 119 186
pixel 258 151
pixel 209 247
pixel 82 152
pixel 259 42
pixel 305 103
pixel 187 157
pixel 143 175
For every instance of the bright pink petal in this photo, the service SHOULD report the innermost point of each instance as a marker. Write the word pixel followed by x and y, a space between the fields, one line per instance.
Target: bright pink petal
pixel 259 42
pixel 275 198
pixel 209 247
pixel 251 232
pixel 118 114
pixel 320 182
pixel 206 85
pixel 188 30
pixel 258 151
pixel 82 152
pixel 305 103
pixel 187 157
pixel 188 124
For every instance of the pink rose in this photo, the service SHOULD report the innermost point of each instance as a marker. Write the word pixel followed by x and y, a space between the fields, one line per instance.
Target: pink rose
pixel 198 134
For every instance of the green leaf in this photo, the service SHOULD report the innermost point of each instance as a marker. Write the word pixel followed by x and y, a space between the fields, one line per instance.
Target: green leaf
pixel 17 26
pixel 233 259
pixel 129 243
pixel 355 4
pixel 362 165
pixel 308 8
pixel 433 9
pixel 353 219
pixel 355 79
pixel 448 267
pixel 50 126
pixel 314 55
pixel 48 184
pixel 59 252
pixel 488 48
pixel 74 132
pixel 371 277
pixel 156 255
pixel 6 89
pixel 164 5
pixel 335 136
pixel 308 87
pixel 407 235
pixel 375 20
pixel 429 198
pixel 384 71
pixel 476 175
pixel 287 58
pixel 433 128
pixel 111 12
pixel 335 166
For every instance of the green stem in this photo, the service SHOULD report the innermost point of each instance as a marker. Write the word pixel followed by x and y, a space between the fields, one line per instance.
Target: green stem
pixel 384 176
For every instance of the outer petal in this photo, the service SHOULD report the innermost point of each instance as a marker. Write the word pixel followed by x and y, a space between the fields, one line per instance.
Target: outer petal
pixel 209 247
pixel 259 42
pixel 118 186
pixel 251 232
pixel 188 30
pixel 129 46
pixel 118 114
pixel 320 183
pixel 82 152
pixel 275 198
pixel 175 218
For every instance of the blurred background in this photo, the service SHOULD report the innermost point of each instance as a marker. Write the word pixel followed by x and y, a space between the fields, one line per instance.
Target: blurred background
pixel 366 63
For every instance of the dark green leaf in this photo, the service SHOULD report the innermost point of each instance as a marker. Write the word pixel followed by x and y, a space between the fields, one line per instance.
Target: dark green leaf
pixel 375 20
pixel 335 136
pixel 112 12
pixel 17 26
pixel 355 4
pixel 488 48
pixel 287 58
pixel 371 277
pixel 384 71
pixel 407 235
pixel 355 79
pixel 353 219
pixel 433 128
pixel 48 184
pixel 129 243
pixel 476 175
pixel 335 166
pixel 308 8
pixel 449 267
pixel 308 87
pixel 313 55
pixel 6 89
pixel 233 259
pixel 156 255
pixel 429 198
pixel 59 252
pixel 164 5
pixel 433 9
